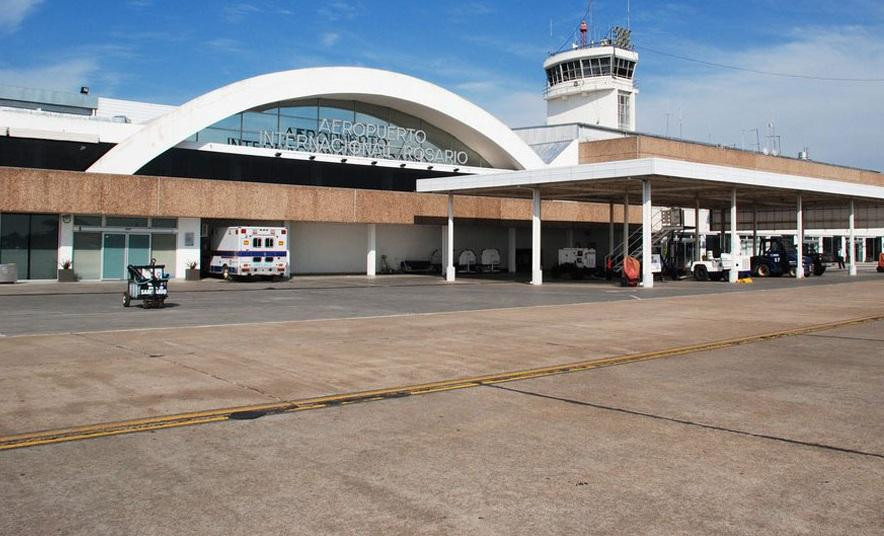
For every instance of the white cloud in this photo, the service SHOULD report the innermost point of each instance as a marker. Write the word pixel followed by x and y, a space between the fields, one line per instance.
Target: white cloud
pixel 339 10
pixel 235 12
pixel 64 76
pixel 13 12
pixel 330 38
pixel 841 122
pixel 225 44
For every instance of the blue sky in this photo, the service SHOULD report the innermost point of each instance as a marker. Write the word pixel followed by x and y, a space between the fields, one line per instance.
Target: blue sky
pixel 488 51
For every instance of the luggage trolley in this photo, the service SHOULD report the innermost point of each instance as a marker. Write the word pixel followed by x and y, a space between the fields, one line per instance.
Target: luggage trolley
pixel 148 283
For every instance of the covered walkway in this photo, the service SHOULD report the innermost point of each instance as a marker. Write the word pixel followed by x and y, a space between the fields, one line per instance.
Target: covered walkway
pixel 666 183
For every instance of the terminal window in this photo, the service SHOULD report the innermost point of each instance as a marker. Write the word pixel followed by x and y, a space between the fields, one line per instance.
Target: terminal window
pixel 623 110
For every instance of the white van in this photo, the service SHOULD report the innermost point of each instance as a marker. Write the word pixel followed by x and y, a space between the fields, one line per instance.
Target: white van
pixel 249 251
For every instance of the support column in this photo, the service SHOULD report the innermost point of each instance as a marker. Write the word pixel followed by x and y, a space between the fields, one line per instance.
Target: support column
pixel 66 239
pixel 851 238
pixel 536 273
pixel 647 272
pixel 799 251
pixel 611 230
pixel 188 246
pixel 626 225
pixel 569 237
pixel 843 250
pixel 511 256
pixel 449 245
pixel 371 251
pixel 754 230
pixel 697 254
pixel 736 250
pixel 288 249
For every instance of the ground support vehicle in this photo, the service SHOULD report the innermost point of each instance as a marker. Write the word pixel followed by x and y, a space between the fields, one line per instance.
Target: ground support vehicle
pixel 489 261
pixel 778 259
pixel 240 252
pixel 575 263
pixel 819 261
pixel 148 283
pixel 718 269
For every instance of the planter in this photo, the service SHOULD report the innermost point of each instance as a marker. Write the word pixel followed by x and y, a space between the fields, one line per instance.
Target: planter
pixel 66 276
pixel 192 274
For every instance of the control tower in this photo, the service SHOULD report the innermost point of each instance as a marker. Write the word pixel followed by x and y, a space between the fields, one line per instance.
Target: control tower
pixel 593 82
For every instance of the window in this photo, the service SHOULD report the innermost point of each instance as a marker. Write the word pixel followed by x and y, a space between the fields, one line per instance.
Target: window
pixel 623 68
pixel 624 113
pixel 88 221
pixel 122 221
pixel 256 242
pixel 163 223
pixel 87 255
pixel 571 71
pixel 268 242
pixel 30 241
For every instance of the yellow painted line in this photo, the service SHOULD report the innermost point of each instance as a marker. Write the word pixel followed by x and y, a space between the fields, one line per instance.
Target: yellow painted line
pixel 93 431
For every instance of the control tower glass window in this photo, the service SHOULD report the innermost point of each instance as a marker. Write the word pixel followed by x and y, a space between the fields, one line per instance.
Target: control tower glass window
pixel 571 71
pixel 623 110
pixel 623 68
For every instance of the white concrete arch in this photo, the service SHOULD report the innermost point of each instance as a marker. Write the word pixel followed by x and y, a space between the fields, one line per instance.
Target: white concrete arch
pixel 472 125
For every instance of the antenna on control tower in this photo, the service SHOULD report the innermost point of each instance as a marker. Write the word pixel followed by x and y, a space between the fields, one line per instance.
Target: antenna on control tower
pixel 628 16
pixel 583 34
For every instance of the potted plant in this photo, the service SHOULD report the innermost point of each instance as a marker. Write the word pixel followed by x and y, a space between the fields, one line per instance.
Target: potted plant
pixel 193 272
pixel 66 273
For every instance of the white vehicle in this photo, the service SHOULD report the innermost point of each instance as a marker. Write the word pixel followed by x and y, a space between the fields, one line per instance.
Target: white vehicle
pixel 718 269
pixel 579 257
pixel 249 252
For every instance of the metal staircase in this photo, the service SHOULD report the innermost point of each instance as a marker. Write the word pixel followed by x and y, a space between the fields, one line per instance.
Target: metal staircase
pixel 663 224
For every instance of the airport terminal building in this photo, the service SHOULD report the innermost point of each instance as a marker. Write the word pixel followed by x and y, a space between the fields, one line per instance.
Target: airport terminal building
pixel 336 155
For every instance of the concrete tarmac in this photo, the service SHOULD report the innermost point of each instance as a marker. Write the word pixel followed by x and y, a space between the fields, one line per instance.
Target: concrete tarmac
pixel 62 380
pixel 776 437
pixel 36 308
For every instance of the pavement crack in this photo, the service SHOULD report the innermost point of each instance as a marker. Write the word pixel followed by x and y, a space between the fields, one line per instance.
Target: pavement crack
pixel 689 423
pixel 179 364
pixel 220 378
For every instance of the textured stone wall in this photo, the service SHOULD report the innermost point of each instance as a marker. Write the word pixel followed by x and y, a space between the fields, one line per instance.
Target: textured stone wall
pixel 645 146
pixel 40 190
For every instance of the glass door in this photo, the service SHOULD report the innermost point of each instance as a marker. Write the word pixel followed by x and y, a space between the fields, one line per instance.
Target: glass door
pixel 113 263
pixel 139 249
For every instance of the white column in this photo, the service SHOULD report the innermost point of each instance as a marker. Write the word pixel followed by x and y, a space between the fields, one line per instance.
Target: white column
pixel 851 238
pixel 611 230
pixel 371 262
pixel 66 239
pixel 736 251
pixel 511 251
pixel 449 245
pixel 536 273
pixel 647 273
pixel 626 225
pixel 697 255
pixel 288 248
pixel 188 245
pixel 799 270
pixel 843 250
pixel 754 230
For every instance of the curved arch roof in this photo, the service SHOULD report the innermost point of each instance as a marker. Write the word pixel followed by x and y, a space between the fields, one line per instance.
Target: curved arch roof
pixel 472 125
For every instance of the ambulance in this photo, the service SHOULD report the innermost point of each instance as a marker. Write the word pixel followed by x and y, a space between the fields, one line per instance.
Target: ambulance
pixel 248 252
